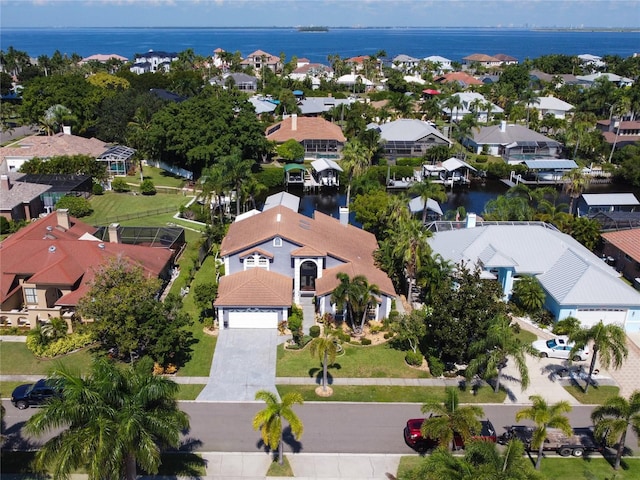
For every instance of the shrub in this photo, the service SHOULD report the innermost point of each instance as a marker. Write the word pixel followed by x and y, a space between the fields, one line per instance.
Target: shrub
pixel 77 206
pixel 343 336
pixel 58 347
pixel 366 341
pixel 5 226
pixel 97 189
pixel 147 187
pixel 295 325
pixel 388 335
pixel 314 331
pixel 119 185
pixel 481 159
pixel 414 358
pixel 270 177
pixel 436 367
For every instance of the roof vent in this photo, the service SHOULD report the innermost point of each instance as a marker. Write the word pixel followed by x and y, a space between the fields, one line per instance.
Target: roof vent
pixel 278 217
pixel 49 228
pixel 101 246
pixel 52 248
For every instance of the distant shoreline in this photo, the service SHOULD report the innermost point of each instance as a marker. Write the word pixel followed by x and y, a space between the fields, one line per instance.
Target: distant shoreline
pixel 532 29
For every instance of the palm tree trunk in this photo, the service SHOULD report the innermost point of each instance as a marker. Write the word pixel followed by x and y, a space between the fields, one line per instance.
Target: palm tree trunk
pixel 592 367
pixel 324 370
pixel 424 212
pixel 130 467
pixel 620 450
pixel 364 317
pixel 497 387
pixel 280 448
pixel 539 459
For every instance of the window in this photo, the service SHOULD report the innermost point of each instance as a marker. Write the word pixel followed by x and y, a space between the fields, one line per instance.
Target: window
pixel 256 261
pixel 31 295
pixel 277 242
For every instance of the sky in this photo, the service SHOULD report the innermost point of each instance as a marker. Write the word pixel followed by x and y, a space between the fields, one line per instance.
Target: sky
pixel 331 13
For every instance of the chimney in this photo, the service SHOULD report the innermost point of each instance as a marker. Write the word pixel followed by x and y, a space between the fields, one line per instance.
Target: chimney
pixel 63 218
pixel 344 215
pixel 5 183
pixel 114 235
pixel 503 126
pixel 471 220
pixel 66 129
pixel 294 122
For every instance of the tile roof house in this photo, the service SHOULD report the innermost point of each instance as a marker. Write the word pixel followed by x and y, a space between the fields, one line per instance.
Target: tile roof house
pixel 623 247
pixel 46 267
pixel 515 143
pixel 576 282
pixel 619 132
pixel 318 136
pixel 461 78
pixel 261 59
pixel 273 258
pixel 506 59
pixel 481 59
pixel 14 155
pixel 20 200
pixel 311 70
pixel 103 58
pixel 408 137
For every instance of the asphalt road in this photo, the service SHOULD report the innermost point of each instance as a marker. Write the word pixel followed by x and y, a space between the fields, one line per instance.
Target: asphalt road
pixel 328 427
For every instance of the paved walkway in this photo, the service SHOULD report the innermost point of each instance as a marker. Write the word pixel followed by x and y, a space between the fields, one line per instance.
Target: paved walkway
pixel 308 313
pixel 244 362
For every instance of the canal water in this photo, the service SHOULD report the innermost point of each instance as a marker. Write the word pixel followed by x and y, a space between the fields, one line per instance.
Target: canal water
pixel 473 198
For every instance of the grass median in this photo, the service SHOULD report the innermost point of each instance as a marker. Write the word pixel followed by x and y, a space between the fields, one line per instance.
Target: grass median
pixel 390 394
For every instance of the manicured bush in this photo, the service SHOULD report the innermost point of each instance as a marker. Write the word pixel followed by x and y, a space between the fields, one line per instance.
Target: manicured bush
pixel 314 331
pixel 414 358
pixel 58 347
pixel 77 206
pixel 388 335
pixel 119 185
pixel 481 159
pixel 147 187
pixel 295 325
pixel 97 189
pixel 4 225
pixel 436 367
pixel 366 341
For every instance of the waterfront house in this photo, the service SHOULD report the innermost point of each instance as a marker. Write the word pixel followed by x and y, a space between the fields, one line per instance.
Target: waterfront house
pixel 405 63
pixel 320 138
pixel 260 60
pixel 591 203
pixel 481 59
pixel 440 64
pixel 408 137
pixel 153 62
pixel 274 258
pixel 506 59
pixel 622 250
pixel 619 133
pixel 315 106
pixel 239 81
pixel 514 143
pixel 312 71
pixel 576 282
pixel 47 266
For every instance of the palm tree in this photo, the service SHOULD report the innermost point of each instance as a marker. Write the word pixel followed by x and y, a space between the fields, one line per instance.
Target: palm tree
pixel 449 417
pixel 545 416
pixel 55 328
pixel 491 353
pixel 613 418
pixel 427 190
pixel 575 184
pixel 269 420
pixel 344 296
pixel 355 160
pixel 476 106
pixel 528 293
pixel 54 118
pixel 453 102
pixel 609 340
pixel 326 349
pixel 235 170
pixel 411 246
pixel 367 295
pixel 111 419
pixel 529 98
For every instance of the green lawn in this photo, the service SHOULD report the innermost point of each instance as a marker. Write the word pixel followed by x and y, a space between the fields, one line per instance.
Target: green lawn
pixel 595 396
pixel 114 206
pixel 16 359
pixel 596 468
pixel 277 470
pixel 159 177
pixel 527 337
pixel 379 361
pixel 189 391
pixel 382 393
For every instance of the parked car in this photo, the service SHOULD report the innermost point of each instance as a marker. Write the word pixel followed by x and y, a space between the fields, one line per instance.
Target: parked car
pixel 559 347
pixel 34 394
pixel 413 436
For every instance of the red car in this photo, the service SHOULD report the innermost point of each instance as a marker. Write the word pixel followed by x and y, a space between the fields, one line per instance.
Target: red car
pixel 413 437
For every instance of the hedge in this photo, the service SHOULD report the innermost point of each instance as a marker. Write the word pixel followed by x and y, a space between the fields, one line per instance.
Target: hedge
pixel 60 346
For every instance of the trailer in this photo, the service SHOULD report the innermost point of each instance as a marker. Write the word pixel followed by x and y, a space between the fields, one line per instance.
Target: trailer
pixel 582 440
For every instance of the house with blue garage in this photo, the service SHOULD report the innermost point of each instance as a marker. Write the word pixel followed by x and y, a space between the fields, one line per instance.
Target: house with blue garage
pixel 576 282
pixel 274 257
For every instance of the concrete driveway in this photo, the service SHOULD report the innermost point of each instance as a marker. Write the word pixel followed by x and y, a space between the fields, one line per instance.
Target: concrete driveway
pixel 243 363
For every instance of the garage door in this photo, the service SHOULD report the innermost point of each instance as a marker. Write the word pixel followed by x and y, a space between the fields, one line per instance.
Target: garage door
pixel 591 317
pixel 253 319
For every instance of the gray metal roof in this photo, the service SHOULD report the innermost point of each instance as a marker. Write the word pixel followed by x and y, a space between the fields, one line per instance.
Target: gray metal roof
pixel 619 199
pixel 325 164
pixel 569 272
pixel 551 164
pixel 417 205
pixel 408 130
pixel 513 133
pixel 314 105
pixel 455 163
pixel 283 198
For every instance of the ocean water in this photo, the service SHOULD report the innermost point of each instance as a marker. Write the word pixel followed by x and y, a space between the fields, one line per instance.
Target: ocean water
pixel 452 43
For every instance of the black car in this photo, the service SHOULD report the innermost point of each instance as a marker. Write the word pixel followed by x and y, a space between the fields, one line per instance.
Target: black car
pixel 33 394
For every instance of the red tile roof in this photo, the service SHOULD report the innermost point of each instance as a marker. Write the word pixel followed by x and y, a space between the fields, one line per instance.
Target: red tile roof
pixel 54 146
pixel 480 57
pixel 255 287
pixel 307 128
pixel 627 241
pixel 50 255
pixel 319 234
pixel 458 77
